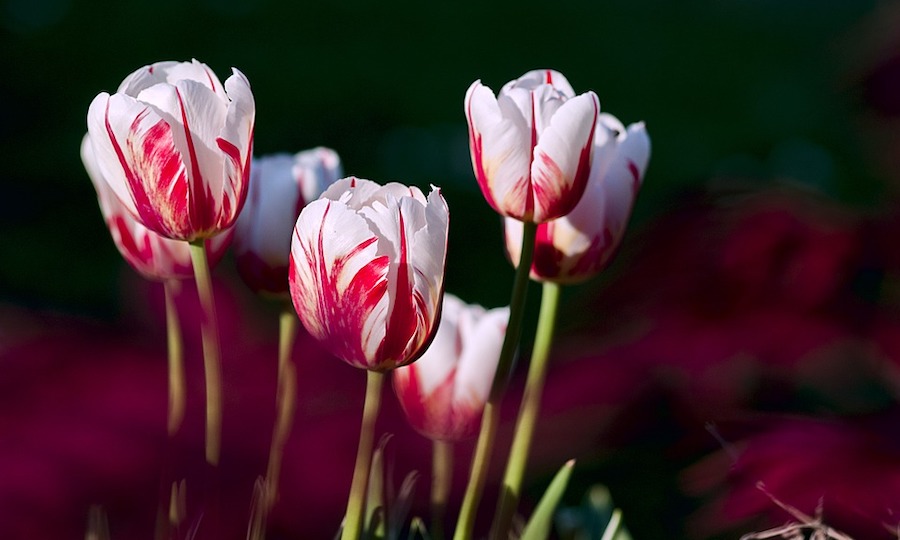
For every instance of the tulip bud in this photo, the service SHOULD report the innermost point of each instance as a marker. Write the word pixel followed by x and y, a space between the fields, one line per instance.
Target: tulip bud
pixel 151 255
pixel 174 144
pixel 367 271
pixel 280 186
pixel 579 245
pixel 443 393
pixel 531 145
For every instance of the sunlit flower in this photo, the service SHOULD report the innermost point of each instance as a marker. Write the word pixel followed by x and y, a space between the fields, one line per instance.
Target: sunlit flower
pixel 580 244
pixel 367 270
pixel 531 144
pixel 174 144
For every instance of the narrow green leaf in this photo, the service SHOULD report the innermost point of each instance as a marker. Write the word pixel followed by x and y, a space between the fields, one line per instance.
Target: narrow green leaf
pixel 615 529
pixel 538 527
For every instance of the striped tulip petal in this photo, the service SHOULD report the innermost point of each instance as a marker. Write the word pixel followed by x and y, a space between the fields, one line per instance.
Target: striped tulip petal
pixel 366 271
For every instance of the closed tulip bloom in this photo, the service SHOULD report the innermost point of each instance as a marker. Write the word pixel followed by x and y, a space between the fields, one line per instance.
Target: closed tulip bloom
pixel 280 186
pixel 151 255
pixel 579 245
pixel 367 270
pixel 443 393
pixel 174 144
pixel 531 144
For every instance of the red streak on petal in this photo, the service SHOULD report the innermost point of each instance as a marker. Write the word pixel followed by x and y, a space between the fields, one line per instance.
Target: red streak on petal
pixel 209 77
pixel 549 76
pixel 148 214
pixel 529 185
pixel 403 319
pixel 202 205
pixel 547 259
pixel 636 177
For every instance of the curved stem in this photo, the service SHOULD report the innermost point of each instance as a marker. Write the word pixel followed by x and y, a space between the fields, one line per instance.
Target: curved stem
pixel 490 418
pixel 353 525
pixel 212 368
pixel 441 477
pixel 286 400
pixel 177 390
pixel 528 413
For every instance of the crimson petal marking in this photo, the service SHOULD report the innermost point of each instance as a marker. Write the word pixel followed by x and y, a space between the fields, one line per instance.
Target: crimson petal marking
pixel 334 315
pixel 404 318
pixel 201 204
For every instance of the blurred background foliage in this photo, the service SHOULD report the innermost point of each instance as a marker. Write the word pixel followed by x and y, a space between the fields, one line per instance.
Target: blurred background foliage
pixel 753 90
pixel 798 98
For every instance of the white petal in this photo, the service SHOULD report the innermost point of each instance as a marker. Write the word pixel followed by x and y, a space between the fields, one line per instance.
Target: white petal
pixel 482 336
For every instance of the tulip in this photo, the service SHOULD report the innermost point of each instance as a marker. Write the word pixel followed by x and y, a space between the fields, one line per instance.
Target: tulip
pixel 280 186
pixel 174 144
pixel 531 145
pixel 153 256
pixel 443 393
pixel 579 245
pixel 367 271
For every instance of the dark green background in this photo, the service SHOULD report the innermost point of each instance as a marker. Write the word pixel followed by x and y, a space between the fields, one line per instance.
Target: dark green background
pixel 754 89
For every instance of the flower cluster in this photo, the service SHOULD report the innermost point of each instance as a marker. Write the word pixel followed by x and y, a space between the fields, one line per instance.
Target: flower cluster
pixel 363 264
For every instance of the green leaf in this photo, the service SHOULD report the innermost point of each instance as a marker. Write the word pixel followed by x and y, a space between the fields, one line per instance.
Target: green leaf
pixel 615 529
pixel 538 527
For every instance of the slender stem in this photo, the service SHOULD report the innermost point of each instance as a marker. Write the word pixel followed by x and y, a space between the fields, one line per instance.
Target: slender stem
pixel 353 525
pixel 442 475
pixel 490 418
pixel 478 474
pixel 528 413
pixel 286 402
pixel 212 368
pixel 177 389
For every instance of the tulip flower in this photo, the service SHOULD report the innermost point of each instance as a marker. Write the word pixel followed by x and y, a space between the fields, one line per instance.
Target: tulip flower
pixel 531 144
pixel 577 246
pixel 280 186
pixel 443 393
pixel 174 144
pixel 367 271
pixel 153 256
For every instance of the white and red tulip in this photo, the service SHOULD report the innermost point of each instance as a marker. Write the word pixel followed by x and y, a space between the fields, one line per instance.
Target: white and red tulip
pixel 444 392
pixel 280 186
pixel 531 144
pixel 367 271
pixel 581 244
pixel 151 255
pixel 174 144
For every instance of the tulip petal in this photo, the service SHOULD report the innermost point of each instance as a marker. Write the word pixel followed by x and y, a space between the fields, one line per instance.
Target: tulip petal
pixel 237 134
pixel 338 280
pixel 562 157
pixel 482 332
pixel 537 77
pixel 500 143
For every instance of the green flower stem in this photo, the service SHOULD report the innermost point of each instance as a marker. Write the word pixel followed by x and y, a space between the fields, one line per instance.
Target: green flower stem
pixel 528 413
pixel 286 401
pixel 212 367
pixel 490 418
pixel 441 477
pixel 353 525
pixel 177 390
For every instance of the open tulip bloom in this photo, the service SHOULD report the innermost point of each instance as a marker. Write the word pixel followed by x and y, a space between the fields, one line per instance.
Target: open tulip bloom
pixel 579 245
pixel 151 255
pixel 174 144
pixel 531 144
pixel 443 393
pixel 280 186
pixel 367 271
